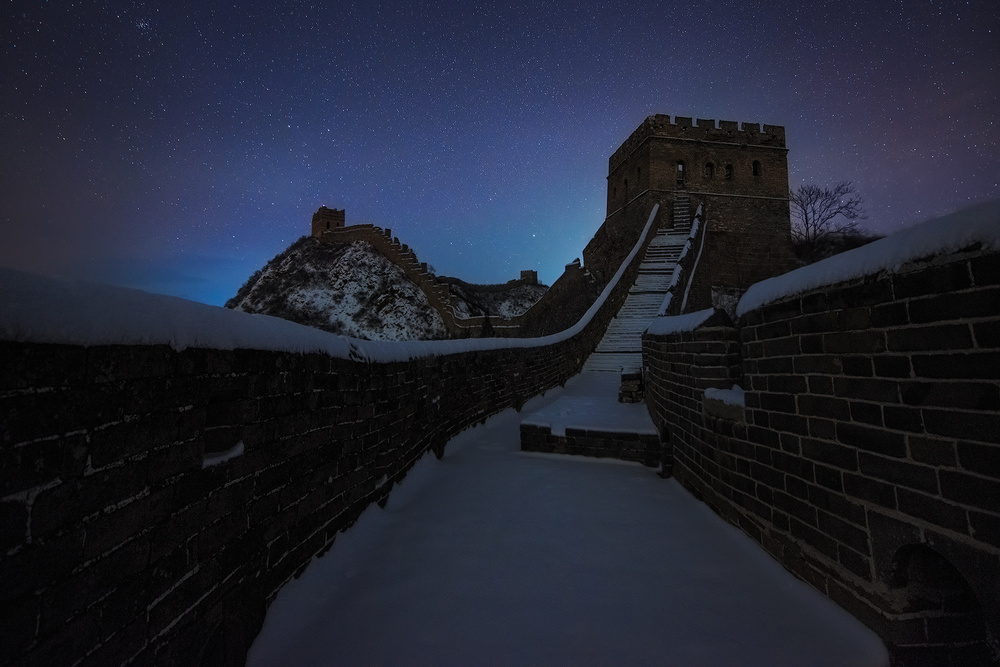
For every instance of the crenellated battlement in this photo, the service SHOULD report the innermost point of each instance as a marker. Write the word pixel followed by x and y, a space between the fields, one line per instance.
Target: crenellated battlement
pixel 702 129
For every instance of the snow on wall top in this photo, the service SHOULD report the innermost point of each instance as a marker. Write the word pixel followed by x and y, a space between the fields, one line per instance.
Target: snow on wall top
pixel 734 396
pixel 663 326
pixel 49 310
pixel 950 233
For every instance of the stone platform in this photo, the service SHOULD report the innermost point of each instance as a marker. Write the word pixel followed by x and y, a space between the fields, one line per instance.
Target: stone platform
pixel 588 420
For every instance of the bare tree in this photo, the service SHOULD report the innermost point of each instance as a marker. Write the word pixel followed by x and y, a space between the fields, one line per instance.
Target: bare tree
pixel 821 215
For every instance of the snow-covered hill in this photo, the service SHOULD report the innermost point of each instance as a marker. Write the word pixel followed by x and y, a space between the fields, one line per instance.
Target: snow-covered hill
pixel 353 290
pixel 345 289
pixel 501 301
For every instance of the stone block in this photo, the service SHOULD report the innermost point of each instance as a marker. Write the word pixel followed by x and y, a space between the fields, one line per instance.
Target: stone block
pixel 931 508
pixel 985 527
pixel 845 532
pixel 932 280
pixel 964 395
pixel 871 490
pixel 866 413
pixel 899 473
pixel 835 503
pixel 853 562
pixel 854 342
pixel 902 418
pixel 872 439
pixel 73 500
pixel 890 366
pixel 30 465
pixel 987 334
pixel 956 306
pixel 932 451
pixel 971 365
pixel 971 490
pixel 823 406
pixel 830 478
pixel 981 426
pixel 934 337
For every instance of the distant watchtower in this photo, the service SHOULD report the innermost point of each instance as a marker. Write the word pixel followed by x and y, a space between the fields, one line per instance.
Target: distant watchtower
pixel 327 218
pixel 737 172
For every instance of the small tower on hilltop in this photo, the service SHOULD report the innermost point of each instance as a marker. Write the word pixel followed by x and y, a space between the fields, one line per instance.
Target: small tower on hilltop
pixel 327 218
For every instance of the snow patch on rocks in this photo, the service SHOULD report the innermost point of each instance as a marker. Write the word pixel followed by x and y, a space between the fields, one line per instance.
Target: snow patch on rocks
pixel 734 396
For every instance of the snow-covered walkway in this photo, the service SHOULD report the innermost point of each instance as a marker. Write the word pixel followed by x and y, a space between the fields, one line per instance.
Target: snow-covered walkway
pixel 590 403
pixel 494 556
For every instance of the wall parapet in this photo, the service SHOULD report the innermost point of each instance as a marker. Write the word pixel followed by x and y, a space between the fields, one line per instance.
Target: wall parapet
pixel 871 418
pixel 157 493
pixel 659 125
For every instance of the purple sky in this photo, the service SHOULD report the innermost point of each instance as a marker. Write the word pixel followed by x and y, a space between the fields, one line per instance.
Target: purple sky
pixel 176 147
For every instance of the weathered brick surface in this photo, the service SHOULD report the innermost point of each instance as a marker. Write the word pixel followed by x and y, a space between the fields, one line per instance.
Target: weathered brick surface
pixel 872 427
pixel 116 544
pixel 641 448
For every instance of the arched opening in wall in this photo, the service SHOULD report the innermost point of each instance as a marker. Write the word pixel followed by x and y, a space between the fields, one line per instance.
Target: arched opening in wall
pixel 709 171
pixel 729 172
pixel 680 172
pixel 756 168
pixel 940 621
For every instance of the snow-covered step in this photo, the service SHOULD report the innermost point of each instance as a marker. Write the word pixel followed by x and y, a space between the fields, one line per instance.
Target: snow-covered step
pixel 621 347
pixel 615 362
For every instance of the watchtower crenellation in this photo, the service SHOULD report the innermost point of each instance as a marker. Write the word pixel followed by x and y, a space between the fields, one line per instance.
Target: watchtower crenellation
pixel 704 129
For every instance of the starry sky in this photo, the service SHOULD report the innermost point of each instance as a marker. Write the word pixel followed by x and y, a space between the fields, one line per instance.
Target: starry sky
pixel 177 146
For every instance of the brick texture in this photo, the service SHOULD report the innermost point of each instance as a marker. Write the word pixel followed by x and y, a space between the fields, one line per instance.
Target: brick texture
pixel 118 545
pixel 872 427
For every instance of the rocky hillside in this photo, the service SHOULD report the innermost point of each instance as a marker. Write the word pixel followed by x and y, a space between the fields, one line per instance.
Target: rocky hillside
pixel 503 301
pixel 352 290
pixel 348 289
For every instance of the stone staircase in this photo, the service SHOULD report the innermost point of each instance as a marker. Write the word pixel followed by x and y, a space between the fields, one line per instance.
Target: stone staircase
pixel 621 348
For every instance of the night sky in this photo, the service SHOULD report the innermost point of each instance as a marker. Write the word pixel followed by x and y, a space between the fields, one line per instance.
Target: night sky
pixel 176 147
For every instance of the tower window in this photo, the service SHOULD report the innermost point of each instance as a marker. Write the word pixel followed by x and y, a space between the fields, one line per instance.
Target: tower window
pixel 709 171
pixel 680 172
pixel 729 172
pixel 756 168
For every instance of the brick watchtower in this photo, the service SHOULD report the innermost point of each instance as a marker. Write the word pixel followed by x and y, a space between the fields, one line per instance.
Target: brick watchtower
pixel 738 173
pixel 327 218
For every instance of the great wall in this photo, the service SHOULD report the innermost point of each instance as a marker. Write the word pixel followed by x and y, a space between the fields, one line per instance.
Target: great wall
pixel 156 495
pixel 328 225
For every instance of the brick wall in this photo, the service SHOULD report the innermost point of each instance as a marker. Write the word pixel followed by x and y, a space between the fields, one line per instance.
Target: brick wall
pixel 867 458
pixel 116 543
